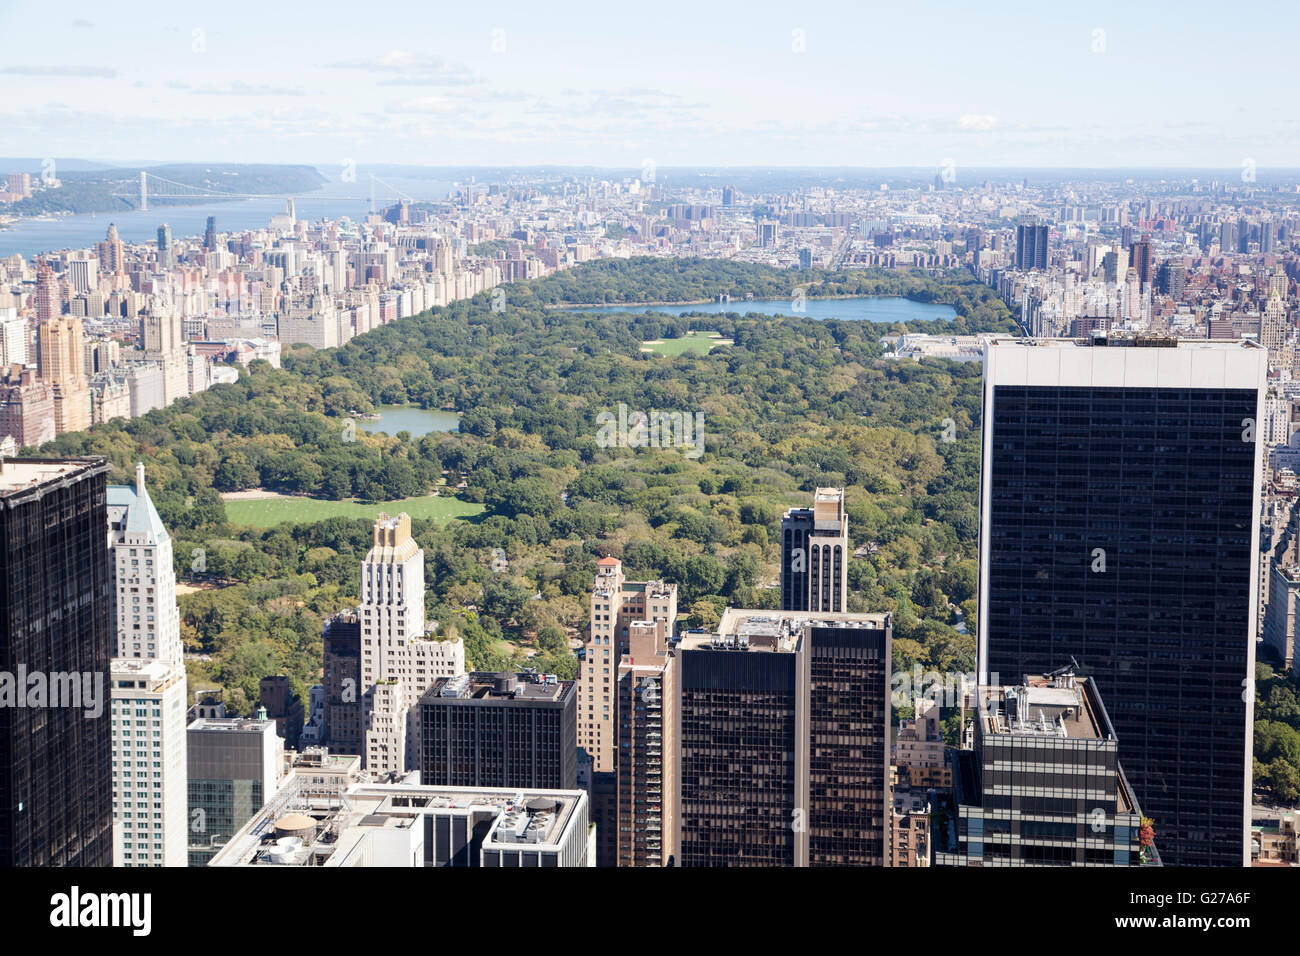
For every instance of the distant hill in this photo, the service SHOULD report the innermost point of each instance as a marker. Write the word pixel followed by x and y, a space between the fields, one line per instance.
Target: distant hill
pixel 91 189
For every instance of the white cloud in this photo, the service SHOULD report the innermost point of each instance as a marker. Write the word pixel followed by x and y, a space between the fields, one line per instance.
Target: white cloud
pixel 403 68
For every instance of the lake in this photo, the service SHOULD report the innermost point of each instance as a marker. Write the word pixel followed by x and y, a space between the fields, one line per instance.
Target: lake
pixel 864 308
pixel 410 418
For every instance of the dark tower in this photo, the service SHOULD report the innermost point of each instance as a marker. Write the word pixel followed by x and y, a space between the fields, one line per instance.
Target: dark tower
pixel 56 601
pixel 1119 525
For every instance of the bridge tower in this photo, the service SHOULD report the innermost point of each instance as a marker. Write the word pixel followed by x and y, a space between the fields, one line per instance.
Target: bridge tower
pixel 144 191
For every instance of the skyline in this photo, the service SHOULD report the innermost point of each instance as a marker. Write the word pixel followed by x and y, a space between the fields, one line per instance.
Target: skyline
pixel 1109 87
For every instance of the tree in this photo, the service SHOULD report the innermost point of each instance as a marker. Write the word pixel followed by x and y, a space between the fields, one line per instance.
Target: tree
pixel 706 613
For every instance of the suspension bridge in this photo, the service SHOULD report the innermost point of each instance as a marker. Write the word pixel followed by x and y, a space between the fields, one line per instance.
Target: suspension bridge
pixel 156 187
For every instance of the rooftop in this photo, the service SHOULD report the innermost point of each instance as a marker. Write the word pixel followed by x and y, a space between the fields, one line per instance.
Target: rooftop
pixel 23 474
pixel 302 826
pixel 230 725
pixel 763 630
pixel 1056 706
pixel 506 685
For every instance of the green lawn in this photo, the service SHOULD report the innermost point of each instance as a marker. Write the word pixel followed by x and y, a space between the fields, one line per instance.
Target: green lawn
pixel 700 342
pixel 269 512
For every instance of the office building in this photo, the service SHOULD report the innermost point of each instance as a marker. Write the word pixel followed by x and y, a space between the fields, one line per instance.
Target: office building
pixel 1031 246
pixel 342 681
pixel 49 297
pixel 1273 333
pixel 148 620
pixel 1139 256
pixel 1042 784
pixel 166 250
pixel 399 660
pixel 56 784
pixel 815 553
pixel 849 666
pixel 783 740
pixel 742 713
pixel 500 730
pixel 616 606
pixel 1119 525
pixel 234 764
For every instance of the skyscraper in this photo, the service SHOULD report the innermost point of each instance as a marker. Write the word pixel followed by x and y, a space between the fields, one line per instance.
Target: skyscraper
pixel 742 713
pixel 1140 260
pixel 210 234
pixel 815 553
pixel 342 681
pixel 61 359
pixel 647 781
pixel 783 740
pixel 616 604
pixel 1119 503
pixel 850 658
pixel 112 251
pixel 166 252
pixel 49 301
pixel 1031 245
pixel 56 577
pixel 399 661
pixel 149 696
pixel 1273 332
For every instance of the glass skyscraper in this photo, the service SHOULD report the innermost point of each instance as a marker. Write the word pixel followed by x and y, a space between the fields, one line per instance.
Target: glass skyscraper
pixel 1119 503
pixel 56 628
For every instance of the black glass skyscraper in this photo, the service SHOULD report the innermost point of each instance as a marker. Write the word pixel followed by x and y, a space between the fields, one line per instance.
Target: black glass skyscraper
pixel 1118 526
pixel 56 624
pixel 1031 246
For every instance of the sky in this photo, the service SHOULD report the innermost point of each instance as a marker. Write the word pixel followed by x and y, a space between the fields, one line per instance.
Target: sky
pixel 922 84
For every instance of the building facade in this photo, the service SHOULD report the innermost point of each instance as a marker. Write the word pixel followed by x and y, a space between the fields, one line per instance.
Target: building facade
pixel 499 730
pixel 1119 525
pixel 815 555
pixel 647 781
pixel 149 692
pixel 399 662
pixel 234 765
pixel 56 784
pixel 1042 785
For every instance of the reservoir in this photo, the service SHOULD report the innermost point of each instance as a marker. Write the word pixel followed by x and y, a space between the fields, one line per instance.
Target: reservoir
pixel 864 308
